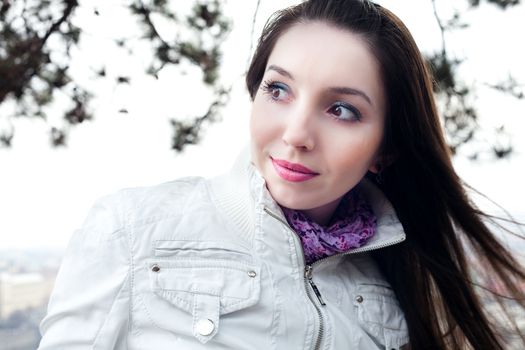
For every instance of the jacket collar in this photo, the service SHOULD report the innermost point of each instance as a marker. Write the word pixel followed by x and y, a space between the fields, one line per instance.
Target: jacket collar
pixel 242 192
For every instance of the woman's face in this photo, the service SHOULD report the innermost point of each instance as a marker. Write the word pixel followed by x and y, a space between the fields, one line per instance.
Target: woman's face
pixel 318 117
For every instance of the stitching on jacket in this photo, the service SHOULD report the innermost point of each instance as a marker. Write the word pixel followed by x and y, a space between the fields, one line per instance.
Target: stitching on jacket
pixel 205 263
pixel 204 338
pixel 276 309
pixel 188 193
pixel 108 315
pixel 377 321
pixel 171 294
pixel 238 248
pixel 140 300
pixel 127 220
pixel 258 237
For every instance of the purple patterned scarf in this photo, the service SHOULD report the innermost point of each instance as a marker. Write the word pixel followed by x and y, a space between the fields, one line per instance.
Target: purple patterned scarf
pixel 351 226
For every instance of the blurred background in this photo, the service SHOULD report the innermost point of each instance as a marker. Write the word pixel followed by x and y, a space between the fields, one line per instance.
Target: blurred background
pixel 100 95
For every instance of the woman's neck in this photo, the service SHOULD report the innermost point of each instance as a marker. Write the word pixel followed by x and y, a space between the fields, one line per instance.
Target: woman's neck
pixel 324 213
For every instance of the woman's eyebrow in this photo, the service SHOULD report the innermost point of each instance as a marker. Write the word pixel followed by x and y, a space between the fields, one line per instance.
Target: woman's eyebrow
pixel 280 70
pixel 351 91
pixel 342 90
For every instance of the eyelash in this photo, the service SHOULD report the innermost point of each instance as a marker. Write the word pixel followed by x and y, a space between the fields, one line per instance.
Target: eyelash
pixel 269 87
pixel 357 115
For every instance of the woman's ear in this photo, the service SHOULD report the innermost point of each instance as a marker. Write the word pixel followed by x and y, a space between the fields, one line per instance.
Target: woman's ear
pixel 375 168
pixel 382 162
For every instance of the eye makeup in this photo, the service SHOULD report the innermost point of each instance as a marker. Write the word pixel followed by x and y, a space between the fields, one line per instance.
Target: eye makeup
pixel 339 110
pixel 345 112
pixel 275 90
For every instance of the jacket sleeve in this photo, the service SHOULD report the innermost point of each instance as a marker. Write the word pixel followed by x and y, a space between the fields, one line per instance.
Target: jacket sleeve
pixel 90 303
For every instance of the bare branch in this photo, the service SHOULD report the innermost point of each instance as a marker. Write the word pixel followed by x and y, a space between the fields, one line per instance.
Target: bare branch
pixel 510 87
pixel 251 33
pixel 441 28
pixel 70 6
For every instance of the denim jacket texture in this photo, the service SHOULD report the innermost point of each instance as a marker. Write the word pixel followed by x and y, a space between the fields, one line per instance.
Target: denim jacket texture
pixel 212 264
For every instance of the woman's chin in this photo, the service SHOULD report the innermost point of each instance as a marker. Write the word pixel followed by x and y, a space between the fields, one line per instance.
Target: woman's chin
pixel 289 199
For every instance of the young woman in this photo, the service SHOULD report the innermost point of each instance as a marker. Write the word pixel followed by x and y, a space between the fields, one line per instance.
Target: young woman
pixel 343 227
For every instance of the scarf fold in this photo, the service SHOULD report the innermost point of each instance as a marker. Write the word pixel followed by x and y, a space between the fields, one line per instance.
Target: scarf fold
pixel 351 226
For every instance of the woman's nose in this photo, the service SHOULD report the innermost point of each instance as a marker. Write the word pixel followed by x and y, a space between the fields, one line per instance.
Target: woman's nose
pixel 299 129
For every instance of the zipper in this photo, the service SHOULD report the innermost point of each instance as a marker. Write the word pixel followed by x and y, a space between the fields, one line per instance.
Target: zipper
pixel 308 276
pixel 307 281
pixel 308 271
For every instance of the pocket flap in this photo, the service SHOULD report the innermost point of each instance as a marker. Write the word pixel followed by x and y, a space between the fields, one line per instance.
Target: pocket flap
pixel 380 316
pixel 235 284
pixel 205 316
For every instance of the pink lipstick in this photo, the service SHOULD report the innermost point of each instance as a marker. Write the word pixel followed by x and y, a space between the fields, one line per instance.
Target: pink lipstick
pixel 291 171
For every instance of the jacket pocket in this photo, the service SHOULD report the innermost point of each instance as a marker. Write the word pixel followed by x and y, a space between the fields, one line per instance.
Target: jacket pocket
pixel 380 316
pixel 204 284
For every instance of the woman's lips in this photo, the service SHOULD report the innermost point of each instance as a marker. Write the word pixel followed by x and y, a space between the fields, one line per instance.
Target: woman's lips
pixel 292 171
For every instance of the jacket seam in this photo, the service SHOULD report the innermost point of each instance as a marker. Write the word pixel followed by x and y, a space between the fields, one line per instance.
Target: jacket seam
pixel 127 224
pixel 259 236
pixel 108 316
pixel 276 304
pixel 156 219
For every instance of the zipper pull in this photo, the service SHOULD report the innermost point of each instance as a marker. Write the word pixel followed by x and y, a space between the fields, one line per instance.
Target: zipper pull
pixel 308 275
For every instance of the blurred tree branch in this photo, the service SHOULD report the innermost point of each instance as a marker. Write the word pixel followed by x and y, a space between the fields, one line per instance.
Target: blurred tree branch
pixel 30 75
pixel 460 115
pixel 500 3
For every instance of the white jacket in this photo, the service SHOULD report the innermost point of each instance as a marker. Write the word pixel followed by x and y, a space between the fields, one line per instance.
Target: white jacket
pixel 212 264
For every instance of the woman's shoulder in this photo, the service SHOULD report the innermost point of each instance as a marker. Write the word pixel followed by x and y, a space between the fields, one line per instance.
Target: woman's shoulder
pixel 135 205
pixel 172 190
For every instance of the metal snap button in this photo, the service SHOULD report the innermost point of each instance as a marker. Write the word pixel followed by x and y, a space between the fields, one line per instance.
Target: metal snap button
pixel 205 326
pixel 252 274
pixel 359 299
pixel 155 268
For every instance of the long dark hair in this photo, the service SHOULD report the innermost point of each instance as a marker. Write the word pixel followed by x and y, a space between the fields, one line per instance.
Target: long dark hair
pixel 431 271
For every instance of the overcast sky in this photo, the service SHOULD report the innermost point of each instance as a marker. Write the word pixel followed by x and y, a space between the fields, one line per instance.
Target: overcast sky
pixel 45 193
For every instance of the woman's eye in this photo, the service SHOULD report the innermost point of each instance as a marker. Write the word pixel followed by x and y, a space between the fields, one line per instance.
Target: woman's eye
pixel 344 112
pixel 276 91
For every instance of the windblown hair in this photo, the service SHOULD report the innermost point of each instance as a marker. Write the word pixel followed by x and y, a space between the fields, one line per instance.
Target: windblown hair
pixel 431 272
